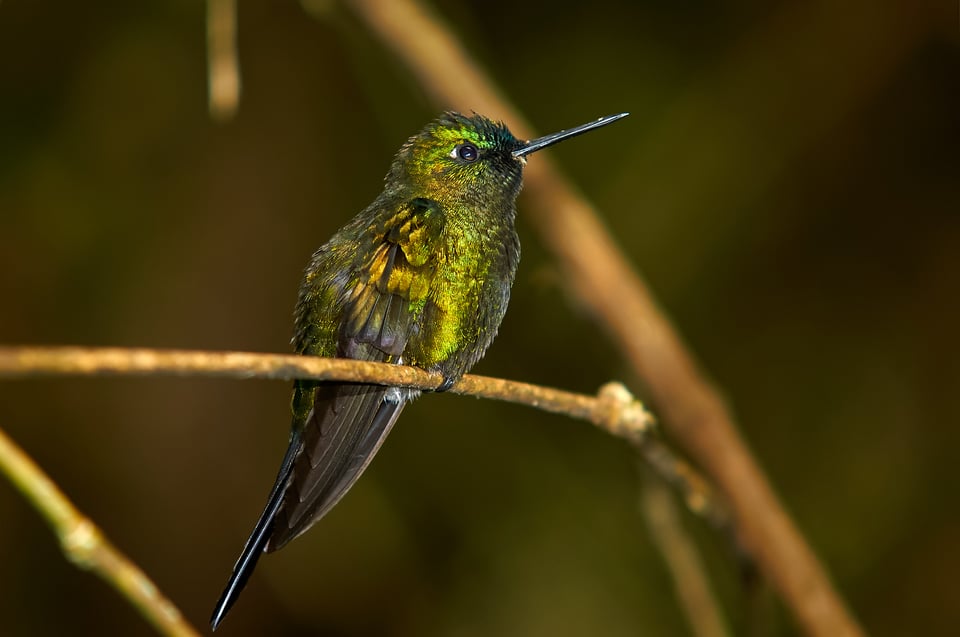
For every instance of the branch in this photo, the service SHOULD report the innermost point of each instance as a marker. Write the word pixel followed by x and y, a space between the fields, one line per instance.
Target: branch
pixel 613 409
pixel 86 546
pixel 223 67
pixel 679 552
pixel 600 276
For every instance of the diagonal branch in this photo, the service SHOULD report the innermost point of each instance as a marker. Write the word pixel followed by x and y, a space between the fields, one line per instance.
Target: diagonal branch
pixel 602 278
pixel 679 551
pixel 86 546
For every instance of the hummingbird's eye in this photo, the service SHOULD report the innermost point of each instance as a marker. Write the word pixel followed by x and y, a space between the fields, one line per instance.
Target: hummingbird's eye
pixel 466 152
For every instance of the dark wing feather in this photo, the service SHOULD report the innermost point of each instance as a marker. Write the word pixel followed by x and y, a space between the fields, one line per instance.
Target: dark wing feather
pixel 348 422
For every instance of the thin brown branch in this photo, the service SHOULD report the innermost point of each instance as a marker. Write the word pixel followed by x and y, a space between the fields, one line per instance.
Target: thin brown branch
pixel 601 277
pixel 223 67
pixel 683 561
pixel 613 409
pixel 86 546
pixel 697 494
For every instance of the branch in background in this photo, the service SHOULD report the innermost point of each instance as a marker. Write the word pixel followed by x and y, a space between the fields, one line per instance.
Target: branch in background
pixel 223 69
pixel 86 546
pixel 600 276
pixel 679 552
pixel 696 492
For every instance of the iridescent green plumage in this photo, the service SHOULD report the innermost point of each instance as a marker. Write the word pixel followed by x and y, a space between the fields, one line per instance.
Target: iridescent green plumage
pixel 440 238
pixel 421 277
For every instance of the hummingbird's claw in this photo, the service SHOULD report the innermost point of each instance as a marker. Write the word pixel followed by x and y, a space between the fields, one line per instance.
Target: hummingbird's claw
pixel 445 385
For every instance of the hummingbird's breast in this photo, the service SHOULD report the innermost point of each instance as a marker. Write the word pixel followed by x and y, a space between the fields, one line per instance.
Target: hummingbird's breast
pixel 419 283
pixel 469 293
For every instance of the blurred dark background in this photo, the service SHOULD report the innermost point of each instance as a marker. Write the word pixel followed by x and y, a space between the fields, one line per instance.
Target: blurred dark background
pixel 788 183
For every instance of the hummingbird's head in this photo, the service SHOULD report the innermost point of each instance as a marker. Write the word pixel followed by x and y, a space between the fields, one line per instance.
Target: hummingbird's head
pixel 460 159
pixel 471 161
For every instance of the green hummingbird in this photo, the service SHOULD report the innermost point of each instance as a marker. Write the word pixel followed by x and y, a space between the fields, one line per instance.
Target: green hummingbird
pixel 421 277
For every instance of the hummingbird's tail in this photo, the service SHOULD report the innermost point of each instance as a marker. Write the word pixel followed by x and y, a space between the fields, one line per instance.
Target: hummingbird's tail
pixel 343 432
pixel 325 457
pixel 259 538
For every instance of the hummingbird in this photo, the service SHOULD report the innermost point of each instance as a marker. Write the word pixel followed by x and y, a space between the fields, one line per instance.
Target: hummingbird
pixel 420 277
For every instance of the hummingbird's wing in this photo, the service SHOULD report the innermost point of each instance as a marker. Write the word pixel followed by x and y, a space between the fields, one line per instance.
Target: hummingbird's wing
pixel 345 423
pixel 348 422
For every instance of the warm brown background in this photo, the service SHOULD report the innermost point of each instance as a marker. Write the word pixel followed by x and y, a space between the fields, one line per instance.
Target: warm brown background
pixel 788 184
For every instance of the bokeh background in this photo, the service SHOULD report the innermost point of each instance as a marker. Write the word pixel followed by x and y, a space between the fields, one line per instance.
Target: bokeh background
pixel 788 183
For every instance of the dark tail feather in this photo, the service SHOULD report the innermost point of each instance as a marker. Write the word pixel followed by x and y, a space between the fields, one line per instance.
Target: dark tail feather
pixel 345 429
pixel 258 539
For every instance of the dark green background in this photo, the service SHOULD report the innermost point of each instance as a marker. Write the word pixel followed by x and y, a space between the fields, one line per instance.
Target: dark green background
pixel 788 183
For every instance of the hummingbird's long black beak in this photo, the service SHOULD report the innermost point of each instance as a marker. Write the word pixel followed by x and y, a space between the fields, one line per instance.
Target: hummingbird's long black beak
pixel 534 145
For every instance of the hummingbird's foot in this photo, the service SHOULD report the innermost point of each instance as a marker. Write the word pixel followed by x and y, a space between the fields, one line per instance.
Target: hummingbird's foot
pixel 445 385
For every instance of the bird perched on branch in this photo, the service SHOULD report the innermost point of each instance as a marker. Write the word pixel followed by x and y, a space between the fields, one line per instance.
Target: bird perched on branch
pixel 421 277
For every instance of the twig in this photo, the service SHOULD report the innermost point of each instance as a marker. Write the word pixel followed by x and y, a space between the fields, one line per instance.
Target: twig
pixel 223 69
pixel 697 493
pixel 86 546
pixel 680 554
pixel 601 277
pixel 613 409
